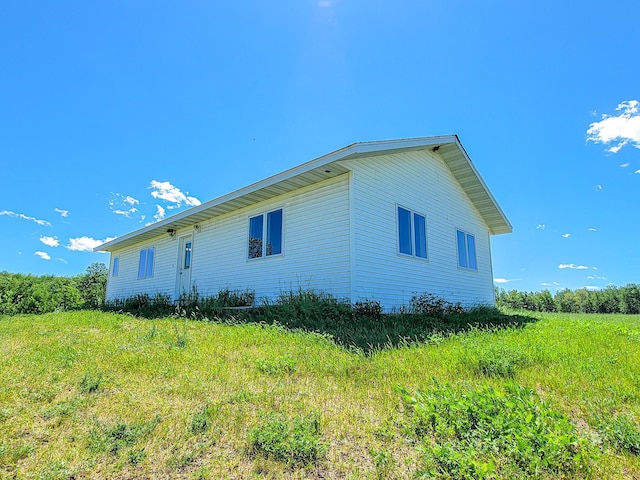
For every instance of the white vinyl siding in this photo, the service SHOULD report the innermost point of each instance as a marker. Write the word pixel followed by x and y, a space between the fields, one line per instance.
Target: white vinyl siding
pixel 419 180
pixel 315 250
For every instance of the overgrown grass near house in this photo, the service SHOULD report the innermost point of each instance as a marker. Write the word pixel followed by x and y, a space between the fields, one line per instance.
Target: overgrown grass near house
pixel 101 395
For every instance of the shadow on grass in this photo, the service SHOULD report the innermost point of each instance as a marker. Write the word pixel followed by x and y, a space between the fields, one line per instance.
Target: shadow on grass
pixel 349 327
pixel 369 334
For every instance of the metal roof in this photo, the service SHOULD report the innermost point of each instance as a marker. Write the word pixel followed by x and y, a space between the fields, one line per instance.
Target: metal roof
pixel 328 166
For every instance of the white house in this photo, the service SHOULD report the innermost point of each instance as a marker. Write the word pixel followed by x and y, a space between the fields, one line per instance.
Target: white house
pixel 379 220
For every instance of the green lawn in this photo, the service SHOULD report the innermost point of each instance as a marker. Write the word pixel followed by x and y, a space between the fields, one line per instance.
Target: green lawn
pixel 97 395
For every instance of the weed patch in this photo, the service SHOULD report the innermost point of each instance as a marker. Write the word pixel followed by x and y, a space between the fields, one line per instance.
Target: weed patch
pixel 276 366
pixel 113 439
pixel 498 360
pixel 621 432
pixel 90 382
pixel 296 441
pixel 484 432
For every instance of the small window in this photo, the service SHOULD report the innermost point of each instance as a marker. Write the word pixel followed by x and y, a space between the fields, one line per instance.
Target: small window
pixel 412 233
pixel 145 266
pixel 261 245
pixel 466 250
pixel 115 266
pixel 187 255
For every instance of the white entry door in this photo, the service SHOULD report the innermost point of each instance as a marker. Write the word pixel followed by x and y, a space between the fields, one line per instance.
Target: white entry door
pixel 185 259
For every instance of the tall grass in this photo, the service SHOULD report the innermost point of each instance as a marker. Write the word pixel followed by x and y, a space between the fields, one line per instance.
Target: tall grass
pixel 102 395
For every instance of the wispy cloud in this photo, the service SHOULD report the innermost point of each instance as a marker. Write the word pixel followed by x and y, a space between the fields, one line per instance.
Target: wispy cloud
pixel 63 213
pixel 43 255
pixel 25 217
pixel 624 165
pixel 160 213
pixel 49 241
pixel 172 194
pixel 566 235
pixel 85 244
pixel 592 229
pixel 123 205
pixel 637 171
pixel 618 130
pixel 571 266
pixel 552 284
pixel 591 287
pixel 540 226
pixel 596 277
pixel 598 187
pixel 503 280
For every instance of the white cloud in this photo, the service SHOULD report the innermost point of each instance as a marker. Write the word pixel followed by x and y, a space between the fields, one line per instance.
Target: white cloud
pixel 598 187
pixel 572 266
pixel 540 226
pixel 49 241
pixel 592 229
pixel 624 165
pixel 552 284
pixel 43 255
pixel 502 280
pixel 596 277
pixel 591 287
pixel 637 171
pixel 123 205
pixel 619 130
pixel 160 213
pixel 172 194
pixel 566 235
pixel 25 217
pixel 85 244
pixel 63 213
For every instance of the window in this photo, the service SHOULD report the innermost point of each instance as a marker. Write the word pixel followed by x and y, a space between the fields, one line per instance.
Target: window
pixel 412 233
pixel 261 245
pixel 466 250
pixel 115 266
pixel 187 255
pixel 145 266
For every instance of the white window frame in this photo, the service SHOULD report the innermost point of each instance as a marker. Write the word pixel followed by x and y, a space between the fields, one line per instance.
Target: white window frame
pixel 466 251
pixel 412 234
pixel 265 216
pixel 147 271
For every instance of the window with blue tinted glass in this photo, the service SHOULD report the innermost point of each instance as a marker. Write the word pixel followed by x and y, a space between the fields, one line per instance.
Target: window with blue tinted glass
pixel 420 235
pixel 466 250
pixel 274 233
pixel 412 233
pixel 145 265
pixel 404 231
pixel 255 236
pixel 115 266
pixel 265 234
pixel 187 255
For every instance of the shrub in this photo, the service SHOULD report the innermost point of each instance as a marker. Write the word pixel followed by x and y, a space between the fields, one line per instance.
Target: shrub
pixel 295 441
pixel 433 305
pixel 367 308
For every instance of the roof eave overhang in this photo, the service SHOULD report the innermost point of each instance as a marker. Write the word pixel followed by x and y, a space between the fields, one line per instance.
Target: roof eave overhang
pixel 323 168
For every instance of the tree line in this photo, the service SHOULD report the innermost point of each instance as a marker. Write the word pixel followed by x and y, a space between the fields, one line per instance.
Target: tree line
pixel 25 293
pixel 608 300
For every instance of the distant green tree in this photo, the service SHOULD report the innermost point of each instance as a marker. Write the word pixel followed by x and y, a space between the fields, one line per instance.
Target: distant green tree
pixel 93 285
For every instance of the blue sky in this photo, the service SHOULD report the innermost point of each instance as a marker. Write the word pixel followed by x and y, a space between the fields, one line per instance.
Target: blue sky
pixel 115 114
